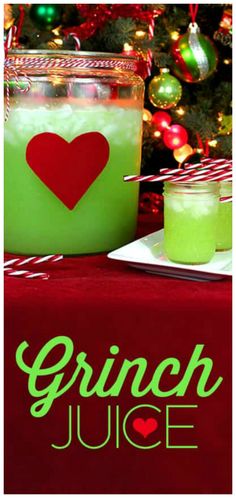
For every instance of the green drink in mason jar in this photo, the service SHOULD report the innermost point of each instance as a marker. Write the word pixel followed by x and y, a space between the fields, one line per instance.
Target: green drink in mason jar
pixel 69 140
pixel 190 218
pixel 224 219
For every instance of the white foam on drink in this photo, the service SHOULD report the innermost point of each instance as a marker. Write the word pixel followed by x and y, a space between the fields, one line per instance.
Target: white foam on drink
pixel 195 208
pixel 115 123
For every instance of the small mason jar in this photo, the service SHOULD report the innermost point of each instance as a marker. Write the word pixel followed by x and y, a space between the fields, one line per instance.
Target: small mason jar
pixel 224 219
pixel 190 216
pixel 48 164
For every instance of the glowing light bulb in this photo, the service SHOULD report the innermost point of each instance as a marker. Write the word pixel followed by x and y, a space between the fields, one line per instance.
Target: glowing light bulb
pixel 58 41
pixel 213 143
pixel 157 134
pixel 140 34
pixel 56 31
pixel 183 152
pixel 147 115
pixel 180 111
pixel 175 35
pixel 127 47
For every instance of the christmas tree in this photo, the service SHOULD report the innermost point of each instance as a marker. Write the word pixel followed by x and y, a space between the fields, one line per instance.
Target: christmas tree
pixel 193 115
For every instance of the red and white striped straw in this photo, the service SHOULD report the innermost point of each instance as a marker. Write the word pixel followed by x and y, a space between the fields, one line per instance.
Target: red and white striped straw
pixel 146 178
pixel 33 260
pixel 151 27
pixel 210 160
pixel 209 170
pixel 11 272
pixel 204 177
pixel 9 39
pixel 226 199
pixel 199 166
pixel 76 39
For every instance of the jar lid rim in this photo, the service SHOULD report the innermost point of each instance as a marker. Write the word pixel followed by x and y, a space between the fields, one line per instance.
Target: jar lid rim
pixel 72 53
pixel 191 188
pixel 66 59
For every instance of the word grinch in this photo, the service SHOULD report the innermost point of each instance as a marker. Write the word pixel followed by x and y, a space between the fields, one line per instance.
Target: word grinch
pixel 87 387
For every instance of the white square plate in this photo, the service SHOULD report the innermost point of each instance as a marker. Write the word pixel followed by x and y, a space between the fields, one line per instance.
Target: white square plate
pixel 147 254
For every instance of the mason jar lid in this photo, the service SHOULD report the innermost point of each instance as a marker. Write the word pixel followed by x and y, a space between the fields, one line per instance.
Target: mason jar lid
pixel 191 188
pixel 50 59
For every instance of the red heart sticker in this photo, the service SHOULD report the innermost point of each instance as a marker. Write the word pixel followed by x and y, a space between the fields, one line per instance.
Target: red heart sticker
pixel 68 168
pixel 145 427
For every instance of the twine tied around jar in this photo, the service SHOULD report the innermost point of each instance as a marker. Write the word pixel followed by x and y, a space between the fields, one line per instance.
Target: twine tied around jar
pixel 13 65
pixel 10 71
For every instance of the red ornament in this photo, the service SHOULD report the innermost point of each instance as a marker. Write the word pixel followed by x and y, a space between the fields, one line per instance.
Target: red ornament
pixel 142 68
pixel 150 202
pixel 175 137
pixel 224 33
pixel 95 17
pixel 161 120
pixel 141 65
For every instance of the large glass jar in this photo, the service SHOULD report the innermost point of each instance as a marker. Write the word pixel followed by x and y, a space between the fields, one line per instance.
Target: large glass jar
pixel 190 216
pixel 224 219
pixel 65 193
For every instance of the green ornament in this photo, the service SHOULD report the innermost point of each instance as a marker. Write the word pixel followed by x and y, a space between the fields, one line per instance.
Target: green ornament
pixel 164 91
pixel 46 16
pixel 194 55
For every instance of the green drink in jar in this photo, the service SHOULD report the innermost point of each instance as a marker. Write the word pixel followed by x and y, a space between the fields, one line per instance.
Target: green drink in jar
pixel 71 94
pixel 224 219
pixel 190 218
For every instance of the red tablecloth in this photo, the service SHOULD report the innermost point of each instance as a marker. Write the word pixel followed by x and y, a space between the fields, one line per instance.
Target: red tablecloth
pixel 99 303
